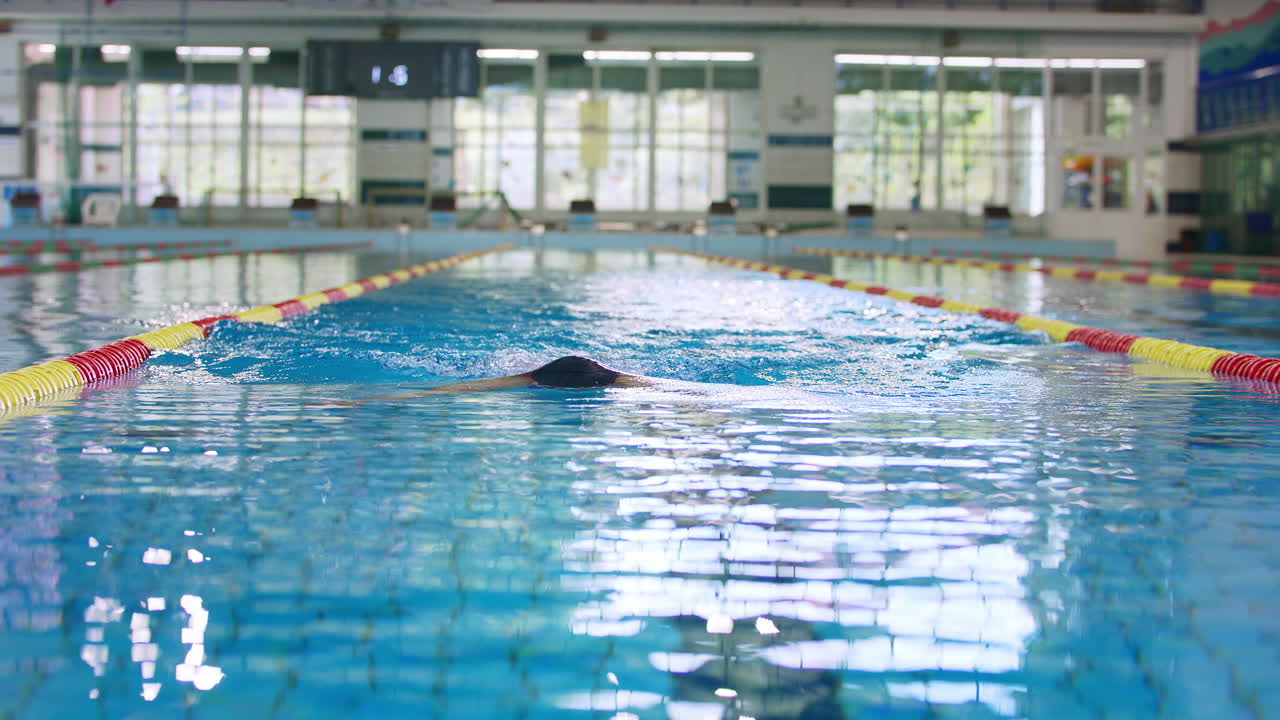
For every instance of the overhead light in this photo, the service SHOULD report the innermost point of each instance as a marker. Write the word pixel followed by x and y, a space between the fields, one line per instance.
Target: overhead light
pixel 975 62
pixel 220 53
pixel 116 53
pixel 1122 64
pixel 1021 62
pixel 704 56
pixel 856 59
pixel 732 56
pixel 39 52
pixel 506 54
pixel 1082 63
pixel 918 60
pixel 617 55
pixel 209 52
pixel 902 60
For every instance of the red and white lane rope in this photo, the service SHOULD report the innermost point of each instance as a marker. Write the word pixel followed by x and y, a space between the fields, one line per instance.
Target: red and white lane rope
pixel 1167 352
pixel 81 265
pixel 1249 288
pixel 63 247
pixel 30 384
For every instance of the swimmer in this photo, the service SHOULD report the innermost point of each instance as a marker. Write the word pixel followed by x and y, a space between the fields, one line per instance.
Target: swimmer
pixel 567 373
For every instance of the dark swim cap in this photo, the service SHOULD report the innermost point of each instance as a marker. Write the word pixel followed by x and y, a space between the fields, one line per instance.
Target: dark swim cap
pixel 574 372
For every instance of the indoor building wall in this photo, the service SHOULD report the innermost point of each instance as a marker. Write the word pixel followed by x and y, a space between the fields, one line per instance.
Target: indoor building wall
pixel 781 150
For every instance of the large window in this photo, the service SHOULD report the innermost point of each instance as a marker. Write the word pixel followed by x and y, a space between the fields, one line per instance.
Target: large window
pixel 1073 102
pixel 858 161
pixel 636 131
pixel 495 135
pixel 910 136
pixel 705 111
pixel 198 128
pixel 276 144
pixel 328 148
pixel 971 117
pixel 887 119
pixel 1019 137
pixel 621 183
pixel 219 126
pixel 1121 90
pixel 686 145
pixel 958 133
pixel 574 131
pixel 599 137
pixel 76 127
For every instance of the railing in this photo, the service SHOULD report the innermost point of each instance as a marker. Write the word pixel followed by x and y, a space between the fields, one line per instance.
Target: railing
pixel 490 196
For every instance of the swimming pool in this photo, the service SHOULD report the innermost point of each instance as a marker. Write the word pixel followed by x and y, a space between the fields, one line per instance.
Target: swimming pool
pixel 850 508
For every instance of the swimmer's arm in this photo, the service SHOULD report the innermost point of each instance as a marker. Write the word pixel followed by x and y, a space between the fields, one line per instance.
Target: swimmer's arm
pixel 509 382
pixel 625 380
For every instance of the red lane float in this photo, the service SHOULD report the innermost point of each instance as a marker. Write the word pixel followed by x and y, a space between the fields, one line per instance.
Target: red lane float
pixel 1175 354
pixel 38 381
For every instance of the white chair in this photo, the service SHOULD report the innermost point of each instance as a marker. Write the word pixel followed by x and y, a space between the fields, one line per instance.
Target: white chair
pixel 100 209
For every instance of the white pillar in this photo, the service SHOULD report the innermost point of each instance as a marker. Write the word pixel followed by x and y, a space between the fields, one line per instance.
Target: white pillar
pixel 540 130
pixel 393 155
pixel 131 133
pixel 245 75
pixel 11 131
pixel 440 137
pixel 302 122
pixel 798 120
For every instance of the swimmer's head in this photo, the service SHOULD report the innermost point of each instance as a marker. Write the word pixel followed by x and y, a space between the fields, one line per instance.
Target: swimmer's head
pixel 574 372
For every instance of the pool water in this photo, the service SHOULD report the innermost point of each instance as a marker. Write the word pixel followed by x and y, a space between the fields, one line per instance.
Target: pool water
pixel 842 507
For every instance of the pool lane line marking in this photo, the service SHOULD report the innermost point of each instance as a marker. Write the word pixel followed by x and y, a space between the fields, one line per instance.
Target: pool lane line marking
pixel 1167 352
pixel 1248 270
pixel 90 249
pixel 1242 288
pixel 30 384
pixel 82 265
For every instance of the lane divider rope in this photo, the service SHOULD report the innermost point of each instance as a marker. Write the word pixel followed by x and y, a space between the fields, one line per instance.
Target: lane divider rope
pixel 1247 288
pixel 63 247
pixel 82 265
pixel 51 245
pixel 1246 271
pixel 1167 352
pixel 30 384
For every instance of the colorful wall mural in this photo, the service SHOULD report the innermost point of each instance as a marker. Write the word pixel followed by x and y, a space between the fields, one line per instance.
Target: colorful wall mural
pixel 1241 45
pixel 1239 66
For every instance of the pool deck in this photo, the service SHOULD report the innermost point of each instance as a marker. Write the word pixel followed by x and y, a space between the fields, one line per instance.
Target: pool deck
pixel 464 240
